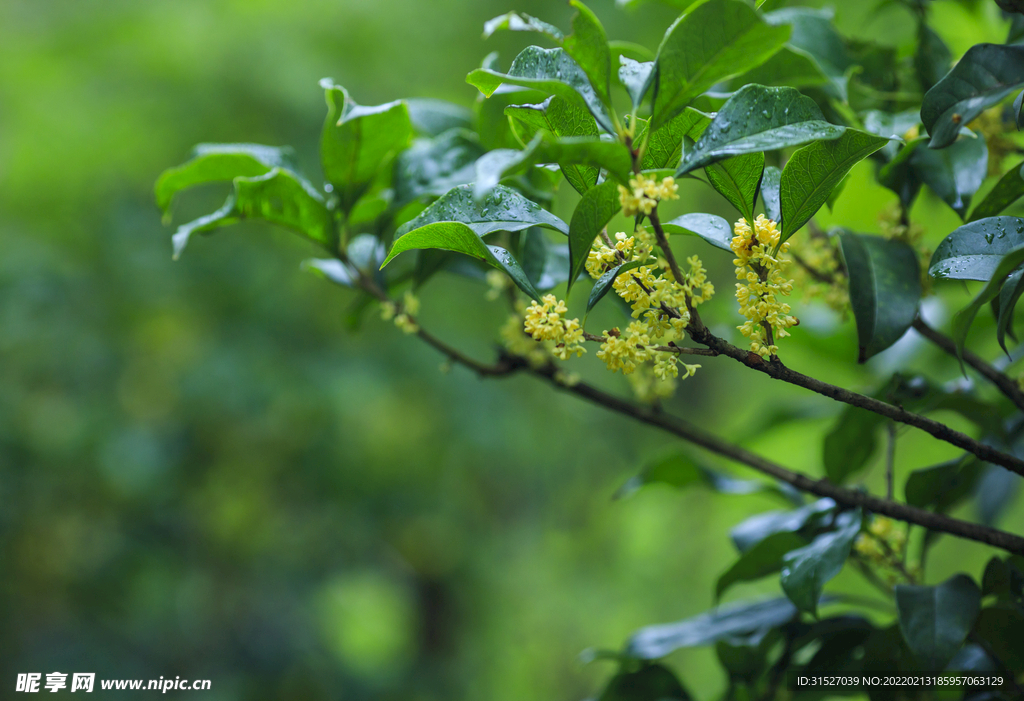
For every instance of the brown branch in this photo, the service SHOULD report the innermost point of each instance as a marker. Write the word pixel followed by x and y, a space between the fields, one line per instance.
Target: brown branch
pixel 776 370
pixel 1005 384
pixel 659 233
pixel 670 348
pixel 508 364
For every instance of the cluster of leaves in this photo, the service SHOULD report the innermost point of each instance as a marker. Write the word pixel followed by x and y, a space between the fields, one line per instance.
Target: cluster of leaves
pixel 771 107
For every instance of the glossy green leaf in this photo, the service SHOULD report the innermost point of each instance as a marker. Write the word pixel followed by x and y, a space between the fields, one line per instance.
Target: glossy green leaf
pixel 365 252
pixel 973 251
pixel 1007 302
pixel 715 41
pixel 503 209
pixel 709 227
pixel 604 283
pixel 814 34
pixel 771 183
pixel 721 623
pixel 935 620
pixel 1004 578
pixel 550 70
pixel 582 151
pixel 636 77
pixel 596 208
pixel 999 626
pixel 459 238
pixel 996 489
pixel 279 197
pixel 737 179
pixel 805 571
pixel 954 173
pixel 358 141
pixel 963 319
pixel 431 117
pixel 891 125
pixel 753 530
pixel 932 58
pixel 885 289
pixel 899 175
pixel 521 22
pixel 331 269
pixel 650 683
pixel 759 561
pixel 432 167
pixel 983 77
pixel 588 46
pixel 790 67
pixel 545 263
pixel 561 118
pixel 217 162
pixel 1018 110
pixel 815 170
pixel 756 119
pixel 1008 190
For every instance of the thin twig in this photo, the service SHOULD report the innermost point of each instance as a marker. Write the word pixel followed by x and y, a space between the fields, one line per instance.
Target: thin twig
pixel 1005 384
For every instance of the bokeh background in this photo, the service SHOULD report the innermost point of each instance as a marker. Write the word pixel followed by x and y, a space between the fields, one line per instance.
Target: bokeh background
pixel 214 469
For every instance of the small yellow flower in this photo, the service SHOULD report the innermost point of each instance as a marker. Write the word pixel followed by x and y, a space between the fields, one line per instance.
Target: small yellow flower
pixel 545 321
pixel 644 193
pixel 759 267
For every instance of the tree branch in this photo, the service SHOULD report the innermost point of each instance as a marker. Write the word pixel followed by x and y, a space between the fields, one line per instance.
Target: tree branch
pixel 776 370
pixel 1005 384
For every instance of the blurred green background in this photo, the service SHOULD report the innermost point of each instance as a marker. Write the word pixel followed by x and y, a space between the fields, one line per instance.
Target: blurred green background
pixel 204 472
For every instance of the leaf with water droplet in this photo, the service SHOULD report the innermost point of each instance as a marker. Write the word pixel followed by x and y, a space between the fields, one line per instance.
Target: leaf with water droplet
pixel 458 237
pixel 973 251
pixel 503 209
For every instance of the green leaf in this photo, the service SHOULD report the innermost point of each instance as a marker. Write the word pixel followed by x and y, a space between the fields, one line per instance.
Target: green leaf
pixel 432 167
pixel 892 126
pixel 1018 110
pixel 805 571
pixel 790 67
pixel 521 22
pixel 932 59
pixel 217 162
pixel 935 620
pixel 545 263
pixel 721 623
pixel 756 119
pixel 636 77
pixel 358 141
pixel 900 176
pixel 588 46
pixel 709 227
pixel 983 77
pixel 503 209
pixel 365 252
pixel 1008 296
pixel 999 626
pixel 582 151
pixel 885 289
pixel 963 319
pixel 771 182
pixel 604 283
pixel 954 173
pixel 550 70
pixel 737 180
pixel 813 33
pixel 458 237
pixel 651 683
pixel 1008 190
pixel 679 470
pixel 850 444
pixel 665 144
pixel 595 209
pixel 759 561
pixel 331 269
pixel 973 251
pixel 715 41
pixel 1004 578
pixel 815 170
pixel 753 530
pixel 431 117
pixel 944 485
pixel 561 118
pixel 279 197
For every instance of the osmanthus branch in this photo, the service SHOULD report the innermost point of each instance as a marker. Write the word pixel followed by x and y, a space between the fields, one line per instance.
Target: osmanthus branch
pixel 776 370
pixel 1001 380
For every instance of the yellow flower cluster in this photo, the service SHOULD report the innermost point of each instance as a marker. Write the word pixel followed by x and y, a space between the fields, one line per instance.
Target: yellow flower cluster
pixel 644 193
pixel 546 321
pixel 821 254
pixel 403 314
pixel 759 268
pixel 884 545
